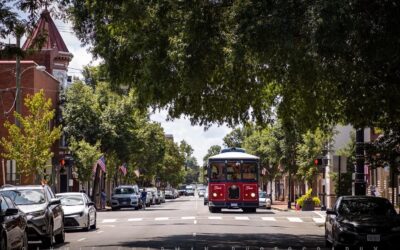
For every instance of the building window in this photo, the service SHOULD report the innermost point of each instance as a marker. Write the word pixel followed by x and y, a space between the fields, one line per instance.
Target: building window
pixel 12 177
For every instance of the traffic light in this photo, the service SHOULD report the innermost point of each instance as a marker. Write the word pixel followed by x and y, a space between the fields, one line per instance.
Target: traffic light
pixel 62 162
pixel 318 162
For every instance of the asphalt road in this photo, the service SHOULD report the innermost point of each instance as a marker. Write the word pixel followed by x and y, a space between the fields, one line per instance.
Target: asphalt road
pixel 185 223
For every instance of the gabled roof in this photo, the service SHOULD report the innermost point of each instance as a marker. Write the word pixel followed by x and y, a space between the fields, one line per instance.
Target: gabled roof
pixel 46 26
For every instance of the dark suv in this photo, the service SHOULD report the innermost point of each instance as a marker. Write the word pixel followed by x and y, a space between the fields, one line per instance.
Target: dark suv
pixel 43 211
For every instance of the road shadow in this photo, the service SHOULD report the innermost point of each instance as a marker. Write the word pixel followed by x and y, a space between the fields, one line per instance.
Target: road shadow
pixel 225 241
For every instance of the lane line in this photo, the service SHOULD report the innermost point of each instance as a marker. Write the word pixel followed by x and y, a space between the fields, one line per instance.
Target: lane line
pixel 135 219
pixel 109 220
pixel 195 222
pixel 268 218
pixel 214 217
pixel 294 219
pixel 319 220
pixel 241 218
pixel 82 239
pixel 99 232
pixel 161 218
pixel 188 218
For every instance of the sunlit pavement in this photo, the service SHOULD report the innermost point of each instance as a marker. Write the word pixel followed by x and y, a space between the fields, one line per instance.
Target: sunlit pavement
pixel 186 223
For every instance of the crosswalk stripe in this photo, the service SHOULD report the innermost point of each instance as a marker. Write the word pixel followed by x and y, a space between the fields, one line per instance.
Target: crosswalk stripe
pixel 268 218
pixel 294 219
pixel 241 218
pixel 319 220
pixel 109 220
pixel 215 218
pixel 135 219
pixel 161 218
pixel 188 218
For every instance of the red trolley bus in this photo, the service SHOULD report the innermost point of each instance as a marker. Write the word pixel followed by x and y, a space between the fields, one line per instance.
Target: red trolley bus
pixel 233 180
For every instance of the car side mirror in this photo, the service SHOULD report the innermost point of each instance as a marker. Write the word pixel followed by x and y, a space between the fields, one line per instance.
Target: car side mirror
pixel 54 201
pixel 331 212
pixel 12 211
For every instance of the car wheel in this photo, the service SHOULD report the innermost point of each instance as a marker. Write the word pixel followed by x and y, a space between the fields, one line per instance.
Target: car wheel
pixel 115 208
pixel 48 240
pixel 25 241
pixel 60 238
pixel 95 220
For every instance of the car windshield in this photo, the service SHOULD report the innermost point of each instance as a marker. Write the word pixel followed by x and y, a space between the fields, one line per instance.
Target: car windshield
pixel 369 207
pixel 262 194
pixel 26 196
pixel 71 200
pixel 124 191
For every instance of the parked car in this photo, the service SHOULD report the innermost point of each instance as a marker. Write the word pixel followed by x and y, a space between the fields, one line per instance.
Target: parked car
pixel 13 224
pixel 126 197
pixel 161 196
pixel 43 211
pixel 169 194
pixel 79 211
pixel 154 194
pixel 182 190
pixel 362 220
pixel 206 196
pixel 264 200
pixel 189 191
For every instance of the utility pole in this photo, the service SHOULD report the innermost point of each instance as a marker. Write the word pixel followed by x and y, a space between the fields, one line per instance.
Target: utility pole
pixel 359 182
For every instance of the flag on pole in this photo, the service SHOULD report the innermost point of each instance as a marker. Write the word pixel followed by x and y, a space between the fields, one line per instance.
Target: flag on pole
pixel 102 163
pixel 123 168
pixel 137 173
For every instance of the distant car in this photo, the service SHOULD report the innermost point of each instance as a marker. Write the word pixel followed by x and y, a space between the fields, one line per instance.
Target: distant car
pixel 169 194
pixel 154 194
pixel 362 221
pixel 43 211
pixel 125 197
pixel 13 224
pixel 264 201
pixel 206 197
pixel 201 192
pixel 79 211
pixel 161 196
pixel 182 190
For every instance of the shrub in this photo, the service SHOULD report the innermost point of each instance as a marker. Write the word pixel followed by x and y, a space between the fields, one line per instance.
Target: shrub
pixel 308 197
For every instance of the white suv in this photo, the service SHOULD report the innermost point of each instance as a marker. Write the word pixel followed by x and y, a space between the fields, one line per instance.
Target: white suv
pixel 125 197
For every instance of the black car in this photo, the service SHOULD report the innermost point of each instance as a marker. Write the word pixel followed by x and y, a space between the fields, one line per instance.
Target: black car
pixel 362 221
pixel 12 226
pixel 43 211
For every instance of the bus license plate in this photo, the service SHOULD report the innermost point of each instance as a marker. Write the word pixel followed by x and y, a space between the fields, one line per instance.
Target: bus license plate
pixel 373 237
pixel 234 204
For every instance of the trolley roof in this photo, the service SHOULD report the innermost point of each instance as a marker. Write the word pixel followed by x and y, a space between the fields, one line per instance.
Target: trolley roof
pixel 234 156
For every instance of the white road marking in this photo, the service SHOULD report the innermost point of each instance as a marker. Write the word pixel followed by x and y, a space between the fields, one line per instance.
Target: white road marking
pixel 135 219
pixel 214 217
pixel 195 222
pixel 82 239
pixel 294 219
pixel 268 218
pixel 161 218
pixel 241 218
pixel 108 225
pixel 319 220
pixel 188 218
pixel 321 214
pixel 99 232
pixel 109 220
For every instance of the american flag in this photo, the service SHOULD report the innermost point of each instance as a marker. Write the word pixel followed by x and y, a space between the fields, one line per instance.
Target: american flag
pixel 102 163
pixel 123 168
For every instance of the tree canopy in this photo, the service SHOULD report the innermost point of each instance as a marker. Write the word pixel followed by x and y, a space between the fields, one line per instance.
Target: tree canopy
pixel 231 61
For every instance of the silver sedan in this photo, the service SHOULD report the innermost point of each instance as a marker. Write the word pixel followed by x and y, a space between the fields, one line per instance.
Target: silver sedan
pixel 79 211
pixel 264 200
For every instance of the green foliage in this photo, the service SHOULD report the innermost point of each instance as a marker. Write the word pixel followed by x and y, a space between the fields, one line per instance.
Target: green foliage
pixel 237 136
pixel 85 156
pixel 213 150
pixel 308 196
pixel 172 171
pixel 30 144
pixel 312 146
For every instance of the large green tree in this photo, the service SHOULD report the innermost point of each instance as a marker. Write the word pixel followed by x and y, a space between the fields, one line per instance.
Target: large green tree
pixel 30 143
pixel 231 61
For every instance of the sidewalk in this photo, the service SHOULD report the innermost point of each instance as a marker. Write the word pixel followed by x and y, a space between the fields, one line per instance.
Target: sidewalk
pixel 283 206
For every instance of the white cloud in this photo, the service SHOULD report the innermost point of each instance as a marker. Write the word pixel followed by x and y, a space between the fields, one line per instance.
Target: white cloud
pixel 200 140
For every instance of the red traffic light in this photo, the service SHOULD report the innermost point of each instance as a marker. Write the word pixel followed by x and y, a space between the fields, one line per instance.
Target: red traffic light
pixel 62 162
pixel 318 162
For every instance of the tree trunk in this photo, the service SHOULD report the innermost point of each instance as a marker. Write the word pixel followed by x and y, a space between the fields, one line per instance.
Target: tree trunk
pixel 95 184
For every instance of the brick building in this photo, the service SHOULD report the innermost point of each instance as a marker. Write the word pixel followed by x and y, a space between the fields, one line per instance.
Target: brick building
pixel 55 57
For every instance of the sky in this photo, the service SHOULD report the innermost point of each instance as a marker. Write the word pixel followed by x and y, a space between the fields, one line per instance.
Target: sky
pixel 200 140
